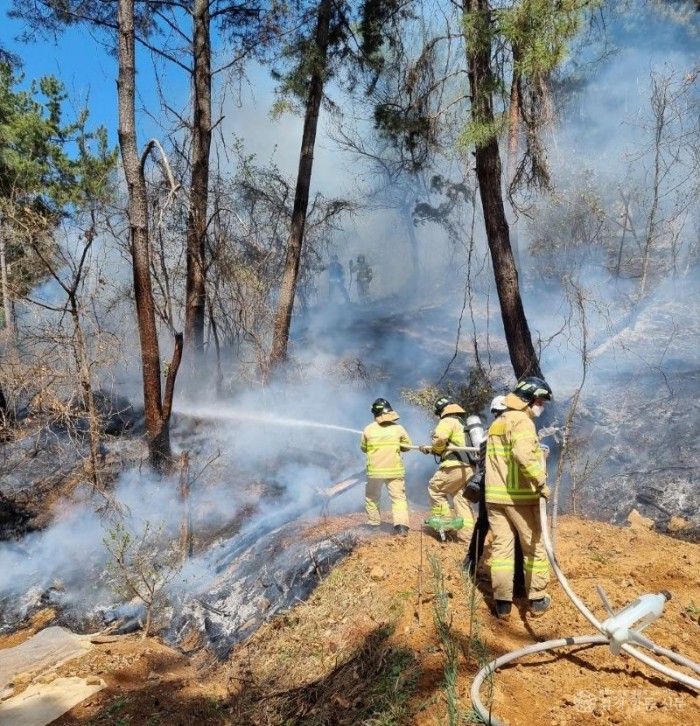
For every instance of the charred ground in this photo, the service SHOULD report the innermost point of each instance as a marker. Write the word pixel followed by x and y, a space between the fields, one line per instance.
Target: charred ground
pixel 367 646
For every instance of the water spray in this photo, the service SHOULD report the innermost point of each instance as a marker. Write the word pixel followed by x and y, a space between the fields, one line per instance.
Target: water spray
pixel 218 412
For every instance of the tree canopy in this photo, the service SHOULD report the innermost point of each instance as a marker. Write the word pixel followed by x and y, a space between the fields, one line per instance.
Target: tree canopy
pixel 50 168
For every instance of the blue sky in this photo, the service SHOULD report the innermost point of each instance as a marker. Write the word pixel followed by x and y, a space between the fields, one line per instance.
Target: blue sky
pixel 89 74
pixel 87 71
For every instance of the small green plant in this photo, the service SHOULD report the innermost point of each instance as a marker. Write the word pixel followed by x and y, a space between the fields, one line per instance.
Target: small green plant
pixel 476 650
pixel 692 609
pixel 142 565
pixel 442 618
pixel 214 706
pixel 111 711
pixel 598 557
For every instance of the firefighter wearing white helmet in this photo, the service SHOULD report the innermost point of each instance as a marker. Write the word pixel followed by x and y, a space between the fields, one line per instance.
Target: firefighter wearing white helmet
pixel 383 441
pixel 455 469
pixel 515 480
pixel 475 492
pixel 498 405
pixel 481 527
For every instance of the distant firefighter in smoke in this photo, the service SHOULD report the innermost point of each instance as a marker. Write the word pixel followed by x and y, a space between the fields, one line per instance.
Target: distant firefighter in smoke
pixel 383 441
pixel 336 281
pixel 363 276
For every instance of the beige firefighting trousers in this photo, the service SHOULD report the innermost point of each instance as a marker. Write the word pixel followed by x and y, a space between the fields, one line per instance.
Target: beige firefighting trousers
pixel 508 522
pixel 450 481
pixel 397 495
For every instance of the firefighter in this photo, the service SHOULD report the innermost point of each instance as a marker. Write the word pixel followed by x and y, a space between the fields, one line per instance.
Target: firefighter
pixel 481 527
pixel 336 280
pixel 383 441
pixel 455 468
pixel 515 480
pixel 363 276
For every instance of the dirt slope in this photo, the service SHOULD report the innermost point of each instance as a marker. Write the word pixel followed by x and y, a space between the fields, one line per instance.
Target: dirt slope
pixel 365 649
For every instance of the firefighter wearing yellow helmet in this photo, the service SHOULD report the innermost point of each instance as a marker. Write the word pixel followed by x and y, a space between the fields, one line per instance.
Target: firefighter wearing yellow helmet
pixel 516 478
pixel 455 468
pixel 383 441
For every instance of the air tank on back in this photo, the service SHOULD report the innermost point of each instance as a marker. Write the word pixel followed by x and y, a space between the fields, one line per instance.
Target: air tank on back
pixel 475 430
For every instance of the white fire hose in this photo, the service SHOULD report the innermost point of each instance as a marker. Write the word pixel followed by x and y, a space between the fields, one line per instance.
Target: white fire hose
pixel 599 639
pixel 471 449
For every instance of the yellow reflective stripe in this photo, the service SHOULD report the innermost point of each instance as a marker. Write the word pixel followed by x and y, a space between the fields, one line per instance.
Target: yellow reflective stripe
pixel 513 478
pixel 536 565
pixel 524 435
pixel 371 506
pixel 394 472
pixel 440 510
pixel 533 470
pixel 399 506
pixel 499 494
pixel 375 445
pixel 497 565
pixel 497 449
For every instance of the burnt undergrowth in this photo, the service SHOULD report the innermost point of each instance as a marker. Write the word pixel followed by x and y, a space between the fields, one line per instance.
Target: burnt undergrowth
pixel 375 685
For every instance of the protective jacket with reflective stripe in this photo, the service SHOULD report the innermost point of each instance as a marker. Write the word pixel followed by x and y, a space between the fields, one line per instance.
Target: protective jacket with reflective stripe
pixel 450 430
pixel 514 461
pixel 383 443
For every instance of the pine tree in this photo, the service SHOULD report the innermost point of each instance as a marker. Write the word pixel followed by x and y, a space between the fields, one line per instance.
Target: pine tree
pixel 43 178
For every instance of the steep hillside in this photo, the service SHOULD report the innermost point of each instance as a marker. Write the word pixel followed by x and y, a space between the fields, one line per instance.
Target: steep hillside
pixel 389 638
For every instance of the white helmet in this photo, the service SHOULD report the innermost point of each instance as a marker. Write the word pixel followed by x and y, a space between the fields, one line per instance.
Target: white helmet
pixel 498 405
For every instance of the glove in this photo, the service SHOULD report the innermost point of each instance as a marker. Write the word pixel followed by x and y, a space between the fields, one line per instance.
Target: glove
pixel 425 449
pixel 544 491
pixel 545 450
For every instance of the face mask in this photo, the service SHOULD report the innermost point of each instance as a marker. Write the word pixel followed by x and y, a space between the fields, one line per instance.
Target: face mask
pixel 537 411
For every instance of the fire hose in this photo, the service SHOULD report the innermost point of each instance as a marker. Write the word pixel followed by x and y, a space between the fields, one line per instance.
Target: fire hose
pixel 601 638
pixel 470 449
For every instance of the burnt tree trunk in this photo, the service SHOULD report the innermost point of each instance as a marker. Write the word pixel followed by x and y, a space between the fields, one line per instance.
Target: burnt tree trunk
pixel 489 175
pixel 83 364
pixel 199 184
pixel 3 408
pixel 283 314
pixel 4 282
pixel 514 118
pixel 157 416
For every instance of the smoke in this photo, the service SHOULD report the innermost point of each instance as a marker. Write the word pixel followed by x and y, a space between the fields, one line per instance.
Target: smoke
pixel 260 456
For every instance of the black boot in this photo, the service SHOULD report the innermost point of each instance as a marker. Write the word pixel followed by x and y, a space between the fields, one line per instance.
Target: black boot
pixel 401 529
pixel 503 608
pixel 540 606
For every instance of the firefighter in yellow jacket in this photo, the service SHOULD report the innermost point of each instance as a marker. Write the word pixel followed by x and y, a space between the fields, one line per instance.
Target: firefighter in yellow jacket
pixel 515 480
pixel 383 441
pixel 455 468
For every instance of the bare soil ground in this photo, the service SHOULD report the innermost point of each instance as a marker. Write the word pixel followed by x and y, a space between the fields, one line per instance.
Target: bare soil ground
pixel 364 649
